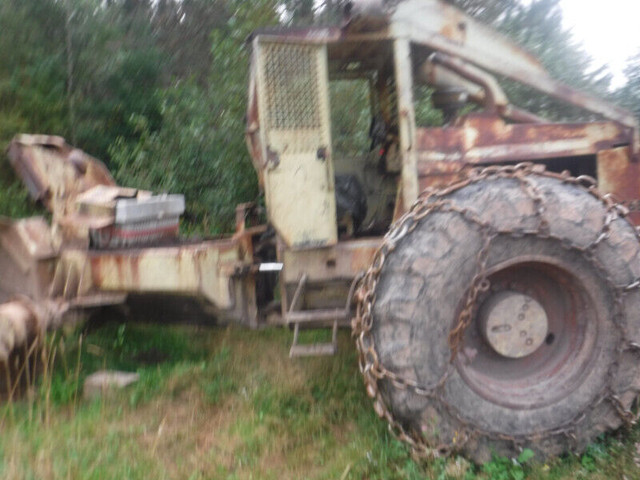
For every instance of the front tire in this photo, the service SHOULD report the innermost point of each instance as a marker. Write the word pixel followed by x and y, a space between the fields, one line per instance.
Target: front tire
pixel 503 313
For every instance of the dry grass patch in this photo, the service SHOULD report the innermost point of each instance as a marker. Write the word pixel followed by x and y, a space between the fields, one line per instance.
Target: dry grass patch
pixel 229 404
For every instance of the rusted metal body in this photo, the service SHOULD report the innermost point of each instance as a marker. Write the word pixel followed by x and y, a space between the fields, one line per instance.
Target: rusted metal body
pixel 398 47
pixel 52 274
pixel 395 48
pixel 55 172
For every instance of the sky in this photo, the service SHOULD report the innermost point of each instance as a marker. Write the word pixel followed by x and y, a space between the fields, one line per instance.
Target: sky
pixel 609 30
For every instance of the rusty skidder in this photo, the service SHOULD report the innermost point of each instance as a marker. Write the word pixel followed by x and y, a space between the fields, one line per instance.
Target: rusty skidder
pixel 497 310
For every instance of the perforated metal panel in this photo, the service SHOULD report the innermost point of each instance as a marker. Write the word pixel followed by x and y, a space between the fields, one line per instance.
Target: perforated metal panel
pixel 293 95
pixel 291 75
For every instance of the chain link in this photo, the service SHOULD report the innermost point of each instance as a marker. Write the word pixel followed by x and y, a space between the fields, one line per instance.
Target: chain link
pixel 431 201
pixel 632 206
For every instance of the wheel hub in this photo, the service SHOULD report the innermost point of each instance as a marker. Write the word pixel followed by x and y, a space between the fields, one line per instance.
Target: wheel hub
pixel 513 324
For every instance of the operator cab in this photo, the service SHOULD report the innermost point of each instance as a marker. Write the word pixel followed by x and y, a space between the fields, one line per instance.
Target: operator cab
pixel 364 131
pixel 324 129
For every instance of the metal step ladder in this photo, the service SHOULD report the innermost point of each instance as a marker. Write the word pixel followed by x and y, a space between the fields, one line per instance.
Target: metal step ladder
pixel 318 319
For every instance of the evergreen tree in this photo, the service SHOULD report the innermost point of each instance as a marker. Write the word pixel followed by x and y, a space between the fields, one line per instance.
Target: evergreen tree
pixel 538 28
pixel 32 72
pixel 201 150
pixel 629 95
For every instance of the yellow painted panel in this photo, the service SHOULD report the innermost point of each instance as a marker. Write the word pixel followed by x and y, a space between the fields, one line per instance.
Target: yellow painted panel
pixel 294 117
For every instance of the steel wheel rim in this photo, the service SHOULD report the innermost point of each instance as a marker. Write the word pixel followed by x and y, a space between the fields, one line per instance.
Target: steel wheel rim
pixel 559 366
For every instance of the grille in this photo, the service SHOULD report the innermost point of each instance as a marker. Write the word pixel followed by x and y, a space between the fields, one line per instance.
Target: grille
pixel 292 87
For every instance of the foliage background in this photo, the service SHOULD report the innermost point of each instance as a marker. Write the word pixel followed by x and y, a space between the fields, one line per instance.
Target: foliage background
pixel 157 89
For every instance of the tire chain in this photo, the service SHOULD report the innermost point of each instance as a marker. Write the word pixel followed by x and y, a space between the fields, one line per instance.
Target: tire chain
pixel 633 205
pixel 430 201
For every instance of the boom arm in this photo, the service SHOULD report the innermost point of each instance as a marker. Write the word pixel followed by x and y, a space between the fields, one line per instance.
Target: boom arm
pixel 444 28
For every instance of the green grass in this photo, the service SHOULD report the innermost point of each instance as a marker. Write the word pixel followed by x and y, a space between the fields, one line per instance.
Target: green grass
pixel 227 403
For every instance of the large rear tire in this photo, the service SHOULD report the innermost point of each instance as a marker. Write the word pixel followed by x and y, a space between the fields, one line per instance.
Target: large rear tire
pixel 504 313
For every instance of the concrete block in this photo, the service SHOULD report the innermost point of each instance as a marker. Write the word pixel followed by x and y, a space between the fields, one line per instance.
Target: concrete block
pixel 103 381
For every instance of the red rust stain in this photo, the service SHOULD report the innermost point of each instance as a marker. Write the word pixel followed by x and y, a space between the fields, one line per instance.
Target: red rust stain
pixel 618 175
pixel 399 208
pixel 634 217
pixel 135 269
pixel 449 31
pixel 440 174
pixel 96 270
pixel 119 265
pixel 361 258
pixel 482 130
pixel 124 264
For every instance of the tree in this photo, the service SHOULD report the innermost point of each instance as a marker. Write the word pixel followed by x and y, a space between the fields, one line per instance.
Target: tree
pixel 32 84
pixel 200 149
pixel 117 73
pixel 538 28
pixel 76 68
pixel 491 12
pixel 183 32
pixel 300 12
pixel 32 73
pixel 629 95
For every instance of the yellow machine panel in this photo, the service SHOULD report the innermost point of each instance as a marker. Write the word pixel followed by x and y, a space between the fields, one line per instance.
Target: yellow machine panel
pixel 294 118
